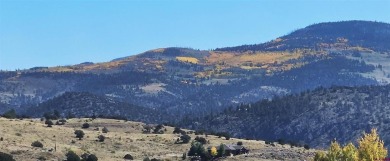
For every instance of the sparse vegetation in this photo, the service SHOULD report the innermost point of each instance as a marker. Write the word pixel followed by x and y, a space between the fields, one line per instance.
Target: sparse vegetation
pixel 37 144
pixel 125 138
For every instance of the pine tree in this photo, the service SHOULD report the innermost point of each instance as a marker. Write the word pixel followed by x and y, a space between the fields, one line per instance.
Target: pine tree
pixel 221 151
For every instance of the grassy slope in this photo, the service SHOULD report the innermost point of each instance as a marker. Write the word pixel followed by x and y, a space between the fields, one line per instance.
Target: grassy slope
pixel 123 138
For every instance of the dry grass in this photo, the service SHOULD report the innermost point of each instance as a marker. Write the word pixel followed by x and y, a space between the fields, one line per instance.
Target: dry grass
pixel 122 138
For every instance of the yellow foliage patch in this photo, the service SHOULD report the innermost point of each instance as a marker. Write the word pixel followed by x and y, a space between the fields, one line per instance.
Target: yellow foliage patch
pixel 187 59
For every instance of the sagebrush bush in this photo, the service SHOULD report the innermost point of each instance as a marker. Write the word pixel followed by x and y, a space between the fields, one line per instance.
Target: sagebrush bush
pixel 85 126
pixel 37 144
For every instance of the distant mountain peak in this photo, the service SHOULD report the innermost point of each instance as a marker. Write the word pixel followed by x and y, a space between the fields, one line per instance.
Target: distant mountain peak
pixel 368 34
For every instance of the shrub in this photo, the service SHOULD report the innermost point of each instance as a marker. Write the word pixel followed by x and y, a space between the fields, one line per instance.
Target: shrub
pixel 101 138
pixel 239 143
pixel 1 139
pixel 201 140
pixel 6 157
pixel 92 157
pixel 177 130
pixel 61 122
pixel 128 157
pixel 306 146
pixel 85 126
pixel 146 159
pixel 71 156
pixel 147 128
pixel 37 144
pixel 105 130
pixel 281 141
pixel 224 134
pixel 185 138
pixel 79 134
pixel 199 132
pixel 49 123
pixel 41 158
pixel 159 129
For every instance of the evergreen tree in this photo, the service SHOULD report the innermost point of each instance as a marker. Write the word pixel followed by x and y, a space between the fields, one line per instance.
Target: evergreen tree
pixel 71 156
pixel 221 151
pixel 79 134
pixel 11 114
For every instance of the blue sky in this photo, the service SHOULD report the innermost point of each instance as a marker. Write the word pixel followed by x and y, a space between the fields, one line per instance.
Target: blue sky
pixel 65 32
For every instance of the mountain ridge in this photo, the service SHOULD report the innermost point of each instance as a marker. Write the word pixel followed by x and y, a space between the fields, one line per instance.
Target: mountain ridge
pixel 188 82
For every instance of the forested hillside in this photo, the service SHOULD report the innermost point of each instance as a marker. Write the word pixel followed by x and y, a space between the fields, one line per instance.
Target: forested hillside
pixel 82 104
pixel 313 117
